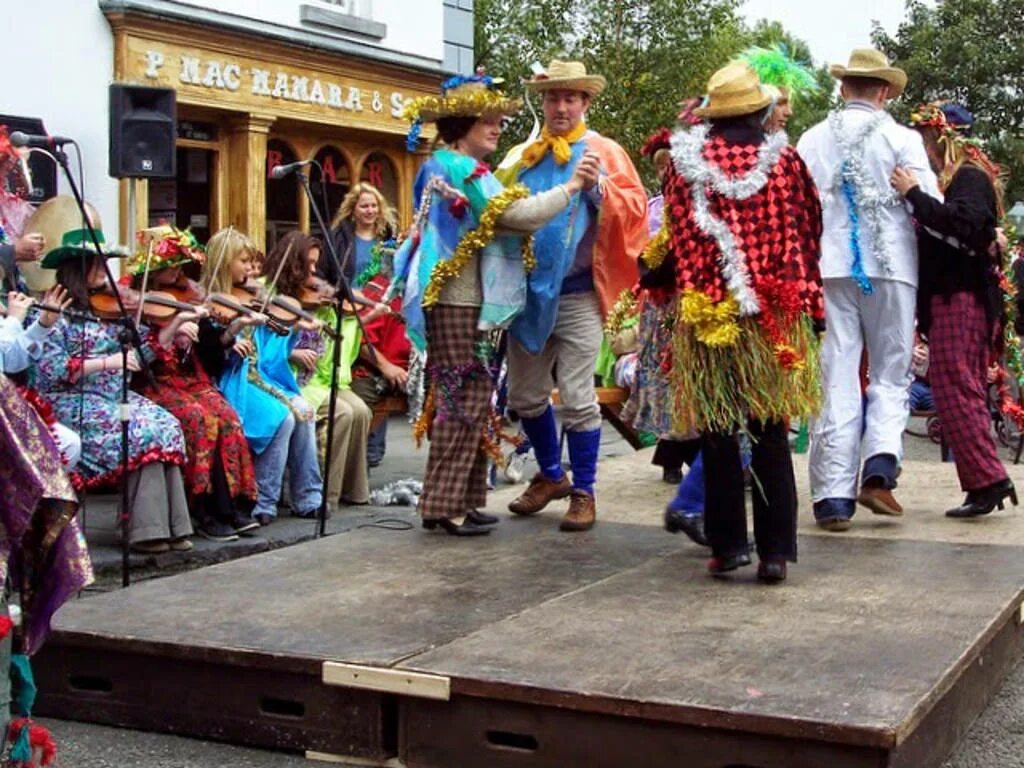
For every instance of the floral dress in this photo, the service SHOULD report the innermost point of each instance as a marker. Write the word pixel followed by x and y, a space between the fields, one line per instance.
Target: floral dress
pixel 90 404
pixel 211 425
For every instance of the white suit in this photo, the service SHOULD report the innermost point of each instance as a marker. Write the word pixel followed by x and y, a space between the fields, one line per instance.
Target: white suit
pixel 882 322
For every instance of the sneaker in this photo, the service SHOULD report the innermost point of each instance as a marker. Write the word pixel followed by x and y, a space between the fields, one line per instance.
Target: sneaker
pixel 263 518
pixel 181 544
pixel 220 532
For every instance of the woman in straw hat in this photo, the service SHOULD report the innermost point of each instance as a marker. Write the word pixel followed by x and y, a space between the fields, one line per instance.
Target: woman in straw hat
pixel 869 265
pixel 463 271
pixel 740 241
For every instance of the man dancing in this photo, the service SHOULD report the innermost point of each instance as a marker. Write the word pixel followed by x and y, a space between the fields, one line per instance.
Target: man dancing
pixel 869 267
pixel 586 256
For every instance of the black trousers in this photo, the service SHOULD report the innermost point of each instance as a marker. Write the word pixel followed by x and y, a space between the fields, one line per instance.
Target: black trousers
pixel 774 493
pixel 673 454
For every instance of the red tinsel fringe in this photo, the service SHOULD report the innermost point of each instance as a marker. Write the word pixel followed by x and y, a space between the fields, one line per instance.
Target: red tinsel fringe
pixel 40 740
pixel 161 456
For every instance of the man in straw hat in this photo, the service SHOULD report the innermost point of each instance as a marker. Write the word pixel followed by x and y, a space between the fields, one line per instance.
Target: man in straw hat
pixel 586 256
pixel 869 266
pixel 739 243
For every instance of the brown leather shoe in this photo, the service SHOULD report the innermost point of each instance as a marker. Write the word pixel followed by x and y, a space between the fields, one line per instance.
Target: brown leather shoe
pixel 538 493
pixel 581 514
pixel 880 501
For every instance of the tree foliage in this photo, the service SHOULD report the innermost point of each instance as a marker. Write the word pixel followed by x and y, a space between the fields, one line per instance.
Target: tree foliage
pixel 971 52
pixel 654 54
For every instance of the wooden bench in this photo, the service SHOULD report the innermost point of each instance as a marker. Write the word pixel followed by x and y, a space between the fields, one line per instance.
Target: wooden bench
pixel 611 400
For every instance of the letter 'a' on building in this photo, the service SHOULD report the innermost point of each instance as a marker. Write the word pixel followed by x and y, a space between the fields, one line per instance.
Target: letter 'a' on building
pixel 253 85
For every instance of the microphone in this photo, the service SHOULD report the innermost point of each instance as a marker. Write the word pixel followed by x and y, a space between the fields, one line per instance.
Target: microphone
pixel 19 139
pixel 280 171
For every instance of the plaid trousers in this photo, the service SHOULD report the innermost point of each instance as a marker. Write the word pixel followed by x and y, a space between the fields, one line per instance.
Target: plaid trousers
pixel 959 344
pixel 456 478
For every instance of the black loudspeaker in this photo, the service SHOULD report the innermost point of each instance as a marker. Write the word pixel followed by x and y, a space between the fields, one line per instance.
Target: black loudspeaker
pixel 143 129
pixel 42 168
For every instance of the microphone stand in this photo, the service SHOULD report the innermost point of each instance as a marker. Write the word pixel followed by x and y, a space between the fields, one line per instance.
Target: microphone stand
pixel 342 291
pixel 128 336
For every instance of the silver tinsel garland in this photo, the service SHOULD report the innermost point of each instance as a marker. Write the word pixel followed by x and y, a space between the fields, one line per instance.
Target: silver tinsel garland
pixel 869 198
pixel 688 158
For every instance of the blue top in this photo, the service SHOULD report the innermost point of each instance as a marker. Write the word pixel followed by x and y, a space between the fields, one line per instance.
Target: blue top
pixel 362 253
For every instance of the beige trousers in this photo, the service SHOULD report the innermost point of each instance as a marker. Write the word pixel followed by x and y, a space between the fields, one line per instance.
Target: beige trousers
pixel 347 472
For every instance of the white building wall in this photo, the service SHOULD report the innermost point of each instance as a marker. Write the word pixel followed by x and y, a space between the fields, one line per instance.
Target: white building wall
pixel 64 50
pixel 59 60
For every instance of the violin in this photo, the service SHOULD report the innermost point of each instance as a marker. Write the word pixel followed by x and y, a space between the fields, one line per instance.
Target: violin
pixel 104 305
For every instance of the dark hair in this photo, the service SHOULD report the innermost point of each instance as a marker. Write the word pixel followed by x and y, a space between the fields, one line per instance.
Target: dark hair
pixel 751 120
pixel 75 278
pixel 451 129
pixel 296 245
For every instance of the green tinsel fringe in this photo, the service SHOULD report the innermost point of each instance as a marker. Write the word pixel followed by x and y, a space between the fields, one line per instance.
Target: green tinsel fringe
pixel 719 388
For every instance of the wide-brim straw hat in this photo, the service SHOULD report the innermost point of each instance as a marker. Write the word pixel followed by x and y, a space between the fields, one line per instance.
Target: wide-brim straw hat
pixel 162 247
pixel 869 62
pixel 734 90
pixel 470 99
pixel 567 76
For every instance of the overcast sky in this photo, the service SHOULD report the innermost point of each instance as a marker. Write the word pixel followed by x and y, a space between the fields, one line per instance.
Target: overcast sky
pixel 831 29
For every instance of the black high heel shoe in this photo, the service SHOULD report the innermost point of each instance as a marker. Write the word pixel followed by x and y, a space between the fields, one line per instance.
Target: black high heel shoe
pixel 466 528
pixel 983 501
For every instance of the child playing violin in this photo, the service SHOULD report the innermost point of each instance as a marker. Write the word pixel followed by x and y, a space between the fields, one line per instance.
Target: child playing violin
pixel 219 477
pixel 255 378
pixel 313 355
pixel 80 374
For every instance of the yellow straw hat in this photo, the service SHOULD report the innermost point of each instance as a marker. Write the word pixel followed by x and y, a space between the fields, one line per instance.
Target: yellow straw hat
pixel 568 76
pixel 868 62
pixel 734 90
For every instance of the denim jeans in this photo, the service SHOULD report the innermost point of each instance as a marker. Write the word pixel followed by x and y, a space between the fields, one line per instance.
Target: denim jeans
pixel 294 445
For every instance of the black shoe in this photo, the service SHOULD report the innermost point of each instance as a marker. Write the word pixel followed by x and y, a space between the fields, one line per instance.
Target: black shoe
pixel 691 525
pixel 214 531
pixel 481 518
pixel 244 525
pixel 263 518
pixel 468 528
pixel 982 502
pixel 718 565
pixel 672 475
pixel 771 571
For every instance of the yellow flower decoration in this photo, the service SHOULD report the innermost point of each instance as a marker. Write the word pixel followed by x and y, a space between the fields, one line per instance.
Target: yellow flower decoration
pixel 714 324
pixel 475 240
pixel 461 102
pixel 657 248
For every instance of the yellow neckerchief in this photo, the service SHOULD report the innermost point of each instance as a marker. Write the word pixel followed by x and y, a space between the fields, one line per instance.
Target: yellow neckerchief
pixel 560 146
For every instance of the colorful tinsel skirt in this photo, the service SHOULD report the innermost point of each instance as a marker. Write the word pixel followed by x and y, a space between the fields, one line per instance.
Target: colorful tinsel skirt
pixel 717 387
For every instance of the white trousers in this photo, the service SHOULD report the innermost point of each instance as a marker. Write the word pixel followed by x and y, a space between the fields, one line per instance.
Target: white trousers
pixel 883 323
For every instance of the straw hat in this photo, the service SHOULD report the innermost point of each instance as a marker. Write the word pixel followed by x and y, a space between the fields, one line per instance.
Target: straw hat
pixel 567 76
pixel 868 62
pixel 172 247
pixel 734 90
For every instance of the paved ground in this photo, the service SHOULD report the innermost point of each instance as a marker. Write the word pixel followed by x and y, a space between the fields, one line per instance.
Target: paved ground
pixel 996 739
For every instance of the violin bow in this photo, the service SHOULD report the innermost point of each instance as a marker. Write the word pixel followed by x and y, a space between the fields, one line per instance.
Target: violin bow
pixel 273 283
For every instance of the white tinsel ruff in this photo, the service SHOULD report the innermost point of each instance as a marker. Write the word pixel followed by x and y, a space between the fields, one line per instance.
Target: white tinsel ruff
pixel 688 158
pixel 870 199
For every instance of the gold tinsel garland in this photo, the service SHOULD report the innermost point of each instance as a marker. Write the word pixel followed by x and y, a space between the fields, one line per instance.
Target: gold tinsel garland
pixel 474 241
pixel 657 248
pixel 624 309
pixel 469 104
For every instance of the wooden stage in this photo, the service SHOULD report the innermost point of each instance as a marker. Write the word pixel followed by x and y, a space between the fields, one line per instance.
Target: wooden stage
pixel 537 648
